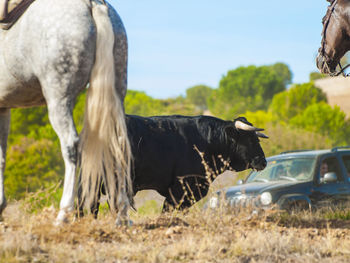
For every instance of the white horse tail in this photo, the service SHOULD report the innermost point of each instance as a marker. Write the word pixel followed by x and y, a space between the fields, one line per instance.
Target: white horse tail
pixel 105 148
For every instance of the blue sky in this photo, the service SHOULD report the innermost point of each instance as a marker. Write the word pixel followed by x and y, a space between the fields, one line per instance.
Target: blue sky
pixel 174 45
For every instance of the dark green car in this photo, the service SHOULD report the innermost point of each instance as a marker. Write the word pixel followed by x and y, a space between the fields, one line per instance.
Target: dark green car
pixel 306 179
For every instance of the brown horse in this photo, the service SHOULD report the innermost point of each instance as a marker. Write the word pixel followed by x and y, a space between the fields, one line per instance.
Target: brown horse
pixel 335 37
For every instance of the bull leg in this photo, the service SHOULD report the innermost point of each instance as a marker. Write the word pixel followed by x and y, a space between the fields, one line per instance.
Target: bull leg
pixel 4 131
pixel 60 115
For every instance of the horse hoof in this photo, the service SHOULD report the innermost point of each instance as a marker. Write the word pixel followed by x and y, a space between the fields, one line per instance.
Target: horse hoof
pixel 123 222
pixel 61 218
pixel 59 222
pixel 3 205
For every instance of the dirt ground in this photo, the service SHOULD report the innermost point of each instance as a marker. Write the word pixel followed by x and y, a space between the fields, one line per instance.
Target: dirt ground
pixel 194 236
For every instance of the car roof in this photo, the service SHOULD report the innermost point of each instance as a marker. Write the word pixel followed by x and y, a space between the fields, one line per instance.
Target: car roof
pixel 308 153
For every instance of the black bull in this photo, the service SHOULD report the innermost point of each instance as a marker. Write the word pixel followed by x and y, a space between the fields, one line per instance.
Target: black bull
pixel 179 156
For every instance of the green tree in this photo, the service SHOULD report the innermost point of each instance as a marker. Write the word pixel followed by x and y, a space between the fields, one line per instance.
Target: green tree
pixel 283 71
pixel 79 109
pixel 27 121
pixel 316 75
pixel 245 88
pixel 138 103
pixel 178 105
pixel 198 95
pixel 32 165
pixel 325 120
pixel 294 101
pixel 286 138
pixel 260 119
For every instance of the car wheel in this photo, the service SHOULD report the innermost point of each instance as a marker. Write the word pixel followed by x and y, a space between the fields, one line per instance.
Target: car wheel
pixel 297 206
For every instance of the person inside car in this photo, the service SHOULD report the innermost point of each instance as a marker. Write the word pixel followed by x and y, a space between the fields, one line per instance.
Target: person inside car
pixel 304 172
pixel 280 172
pixel 323 169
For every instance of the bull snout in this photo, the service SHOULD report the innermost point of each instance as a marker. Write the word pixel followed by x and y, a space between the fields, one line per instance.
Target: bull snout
pixel 258 163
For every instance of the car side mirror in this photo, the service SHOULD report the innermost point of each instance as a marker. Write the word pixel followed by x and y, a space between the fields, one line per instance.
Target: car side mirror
pixel 239 182
pixel 329 178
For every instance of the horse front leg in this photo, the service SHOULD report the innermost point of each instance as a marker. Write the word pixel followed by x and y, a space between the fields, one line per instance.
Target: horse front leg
pixel 60 115
pixel 4 131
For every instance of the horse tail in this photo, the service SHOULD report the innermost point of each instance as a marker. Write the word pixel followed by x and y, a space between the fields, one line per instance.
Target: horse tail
pixel 105 148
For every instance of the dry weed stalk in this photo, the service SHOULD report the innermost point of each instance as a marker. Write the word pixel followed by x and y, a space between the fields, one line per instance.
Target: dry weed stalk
pixel 194 236
pixel 211 173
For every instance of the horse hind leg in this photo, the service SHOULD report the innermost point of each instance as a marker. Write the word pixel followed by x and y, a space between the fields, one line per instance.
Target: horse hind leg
pixel 123 207
pixel 4 131
pixel 60 116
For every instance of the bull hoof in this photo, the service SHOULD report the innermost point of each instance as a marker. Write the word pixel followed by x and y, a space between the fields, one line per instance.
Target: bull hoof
pixel 123 222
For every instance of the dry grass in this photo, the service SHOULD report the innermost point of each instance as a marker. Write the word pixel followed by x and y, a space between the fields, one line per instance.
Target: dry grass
pixel 194 236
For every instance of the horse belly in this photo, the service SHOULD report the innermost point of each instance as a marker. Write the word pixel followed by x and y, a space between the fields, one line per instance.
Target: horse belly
pixel 19 87
pixel 19 95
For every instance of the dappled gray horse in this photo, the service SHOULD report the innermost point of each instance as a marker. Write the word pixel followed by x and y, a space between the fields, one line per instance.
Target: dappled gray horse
pixel 50 55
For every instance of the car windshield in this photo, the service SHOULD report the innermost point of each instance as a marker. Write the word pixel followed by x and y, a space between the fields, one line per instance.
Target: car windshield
pixel 292 169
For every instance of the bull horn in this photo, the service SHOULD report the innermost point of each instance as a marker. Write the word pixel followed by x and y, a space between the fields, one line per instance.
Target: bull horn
pixel 262 135
pixel 246 127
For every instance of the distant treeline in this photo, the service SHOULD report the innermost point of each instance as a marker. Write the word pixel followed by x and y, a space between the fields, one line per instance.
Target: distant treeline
pixel 295 116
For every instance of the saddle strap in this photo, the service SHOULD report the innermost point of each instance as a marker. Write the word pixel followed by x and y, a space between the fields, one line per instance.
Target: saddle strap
pixel 3 9
pixel 14 13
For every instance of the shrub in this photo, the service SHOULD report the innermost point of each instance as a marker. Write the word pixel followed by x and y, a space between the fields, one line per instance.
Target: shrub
pixel 32 165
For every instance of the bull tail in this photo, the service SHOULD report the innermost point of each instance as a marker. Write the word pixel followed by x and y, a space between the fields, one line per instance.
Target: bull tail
pixel 105 148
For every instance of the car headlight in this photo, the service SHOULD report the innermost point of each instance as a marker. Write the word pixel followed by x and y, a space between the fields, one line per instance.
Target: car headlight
pixel 266 198
pixel 213 202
